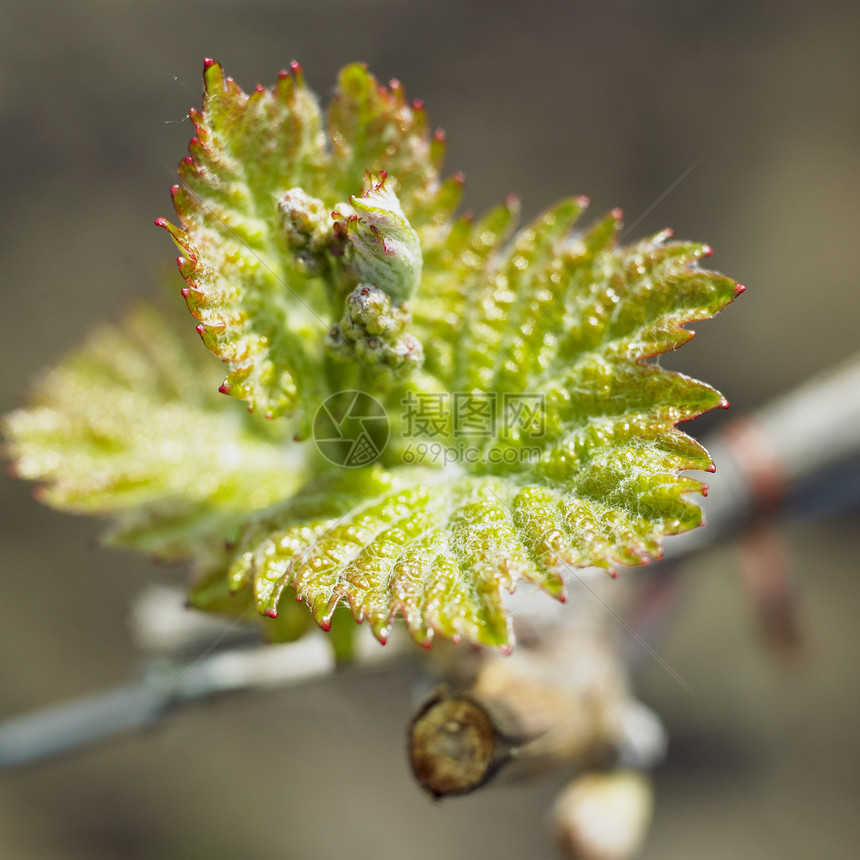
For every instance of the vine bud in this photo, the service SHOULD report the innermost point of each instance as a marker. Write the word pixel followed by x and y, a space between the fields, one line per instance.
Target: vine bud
pixel 372 331
pixel 307 228
pixel 386 250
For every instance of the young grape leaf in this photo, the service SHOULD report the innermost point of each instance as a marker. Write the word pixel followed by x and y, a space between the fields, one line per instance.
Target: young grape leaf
pixel 602 485
pixel 127 428
pixel 324 264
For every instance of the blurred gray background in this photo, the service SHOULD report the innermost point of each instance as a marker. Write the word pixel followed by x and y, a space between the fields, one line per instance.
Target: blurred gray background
pixel 615 99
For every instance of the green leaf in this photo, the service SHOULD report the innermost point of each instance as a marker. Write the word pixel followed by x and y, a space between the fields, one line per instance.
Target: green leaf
pixel 440 555
pixel 373 128
pixel 127 428
pixel 539 434
pixel 258 311
pixel 570 320
pixel 454 267
pixel 262 309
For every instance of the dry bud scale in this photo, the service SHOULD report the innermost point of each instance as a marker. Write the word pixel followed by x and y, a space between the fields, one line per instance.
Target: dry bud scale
pixel 525 429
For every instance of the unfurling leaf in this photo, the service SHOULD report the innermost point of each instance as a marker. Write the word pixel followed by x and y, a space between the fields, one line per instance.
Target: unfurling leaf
pixel 386 250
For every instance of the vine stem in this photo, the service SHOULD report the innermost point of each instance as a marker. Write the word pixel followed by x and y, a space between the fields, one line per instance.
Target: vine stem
pixel 163 688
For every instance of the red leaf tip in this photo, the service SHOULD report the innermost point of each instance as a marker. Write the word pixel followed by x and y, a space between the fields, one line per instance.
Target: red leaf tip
pixel 224 387
pixel 711 467
pixel 739 288
pixel 723 404
pixel 161 222
pixel 208 63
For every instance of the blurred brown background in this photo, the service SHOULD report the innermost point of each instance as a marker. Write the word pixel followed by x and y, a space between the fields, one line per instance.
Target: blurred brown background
pixel 615 99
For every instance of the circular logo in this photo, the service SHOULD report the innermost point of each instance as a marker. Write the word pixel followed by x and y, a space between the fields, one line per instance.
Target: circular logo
pixel 351 429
